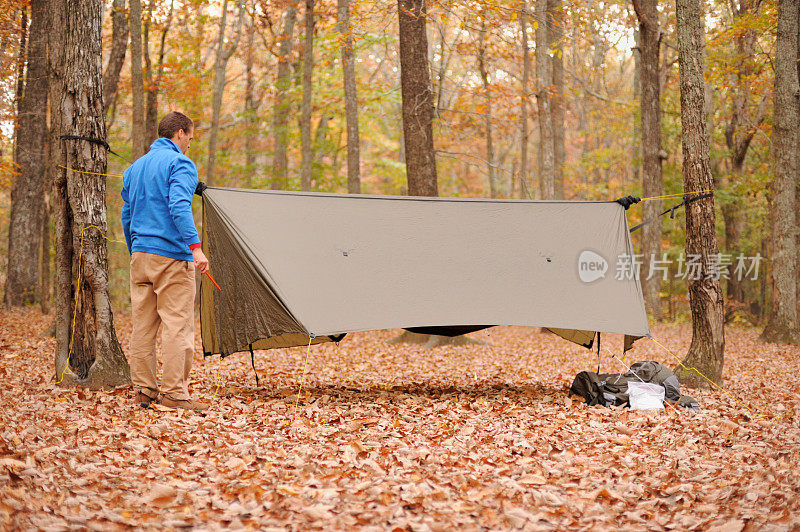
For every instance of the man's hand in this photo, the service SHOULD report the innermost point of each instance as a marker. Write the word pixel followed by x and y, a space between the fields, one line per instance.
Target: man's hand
pixel 200 260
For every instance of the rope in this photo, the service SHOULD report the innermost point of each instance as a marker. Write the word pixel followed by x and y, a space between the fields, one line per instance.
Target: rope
pixel 303 380
pixel 729 394
pixel 677 195
pixel 87 172
pixel 77 297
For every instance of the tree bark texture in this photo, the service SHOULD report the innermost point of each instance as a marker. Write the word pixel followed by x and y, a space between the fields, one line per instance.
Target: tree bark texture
pixel 307 148
pixel 91 356
pixel 25 223
pixel 280 116
pixel 544 80
pixel 555 36
pixel 636 140
pixel 138 139
pixel 224 54
pixel 116 58
pixel 652 181
pixel 706 351
pixel 782 322
pixel 415 84
pixel 487 112
pixel 524 193
pixel 350 99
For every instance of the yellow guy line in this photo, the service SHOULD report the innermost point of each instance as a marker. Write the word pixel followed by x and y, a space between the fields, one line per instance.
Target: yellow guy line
pixel 678 195
pixel 87 172
pixel 78 294
pixel 729 394
pixel 303 380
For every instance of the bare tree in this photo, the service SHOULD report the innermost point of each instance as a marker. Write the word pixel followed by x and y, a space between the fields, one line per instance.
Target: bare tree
pixel 87 350
pixel 138 139
pixel 153 75
pixel 706 351
pixel 523 114
pixel 307 148
pixel 25 223
pixel 223 55
pixel 782 323
pixel 555 37
pixel 350 99
pixel 652 180
pixel 544 80
pixel 487 113
pixel 415 85
pixel 116 58
pixel 739 131
pixel 280 165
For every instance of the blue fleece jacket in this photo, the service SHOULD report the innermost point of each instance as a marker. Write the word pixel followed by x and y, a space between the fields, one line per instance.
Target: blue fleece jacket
pixel 157 190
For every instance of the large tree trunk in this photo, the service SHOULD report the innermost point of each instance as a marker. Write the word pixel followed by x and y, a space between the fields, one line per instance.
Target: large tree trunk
pixel 218 84
pixel 308 87
pixel 544 80
pixel 417 97
pixel 705 295
pixel 280 117
pixel 25 223
pixel 116 58
pixel 782 323
pixel 487 113
pixel 87 350
pixel 350 100
pixel 523 114
pixel 652 182
pixel 555 37
pixel 138 139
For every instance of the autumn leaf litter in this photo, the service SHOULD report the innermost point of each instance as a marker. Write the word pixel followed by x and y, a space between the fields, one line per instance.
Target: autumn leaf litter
pixel 390 437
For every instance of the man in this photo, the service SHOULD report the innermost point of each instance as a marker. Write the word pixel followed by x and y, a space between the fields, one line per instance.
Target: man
pixel 163 242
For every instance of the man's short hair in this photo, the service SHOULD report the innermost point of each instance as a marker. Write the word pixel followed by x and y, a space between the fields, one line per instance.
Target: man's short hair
pixel 173 122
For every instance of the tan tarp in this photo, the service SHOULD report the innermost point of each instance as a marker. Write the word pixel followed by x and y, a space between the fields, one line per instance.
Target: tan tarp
pixel 295 266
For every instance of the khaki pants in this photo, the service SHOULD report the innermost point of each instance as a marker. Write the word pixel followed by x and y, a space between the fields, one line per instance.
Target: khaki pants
pixel 162 293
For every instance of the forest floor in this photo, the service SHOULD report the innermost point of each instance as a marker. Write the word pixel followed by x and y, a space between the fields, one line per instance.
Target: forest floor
pixel 390 437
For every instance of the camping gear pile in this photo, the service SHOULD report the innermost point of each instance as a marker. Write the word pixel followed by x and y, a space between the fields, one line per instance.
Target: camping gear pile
pixel 645 385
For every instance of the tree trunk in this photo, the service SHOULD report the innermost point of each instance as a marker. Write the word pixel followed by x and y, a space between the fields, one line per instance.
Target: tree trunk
pixel 250 107
pixel 705 295
pixel 636 140
pixel 116 58
pixel 555 37
pixel 487 113
pixel 151 96
pixel 308 87
pixel 544 81
pixel 652 181
pixel 22 58
pixel 47 212
pixel 417 97
pixel 218 84
pixel 280 117
pixel 87 350
pixel 782 323
pixel 350 99
pixel 739 131
pixel 25 223
pixel 138 139
pixel 523 114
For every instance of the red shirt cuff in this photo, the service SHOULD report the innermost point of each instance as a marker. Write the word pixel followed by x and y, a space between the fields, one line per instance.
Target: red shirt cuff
pixel 195 246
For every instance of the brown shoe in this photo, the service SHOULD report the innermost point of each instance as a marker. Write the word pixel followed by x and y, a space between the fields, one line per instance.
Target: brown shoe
pixel 144 400
pixel 187 404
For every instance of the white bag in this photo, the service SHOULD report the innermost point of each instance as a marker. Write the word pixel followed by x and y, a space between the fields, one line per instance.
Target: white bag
pixel 645 395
